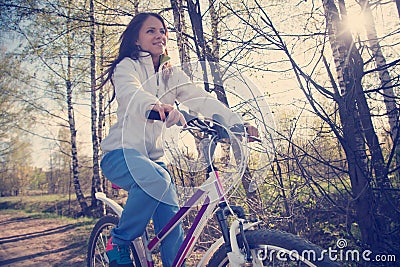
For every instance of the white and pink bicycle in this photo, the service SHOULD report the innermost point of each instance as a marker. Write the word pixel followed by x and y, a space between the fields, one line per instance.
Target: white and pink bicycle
pixel 242 241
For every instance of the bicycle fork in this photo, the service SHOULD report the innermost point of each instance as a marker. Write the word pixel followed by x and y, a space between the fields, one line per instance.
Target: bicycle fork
pixel 238 226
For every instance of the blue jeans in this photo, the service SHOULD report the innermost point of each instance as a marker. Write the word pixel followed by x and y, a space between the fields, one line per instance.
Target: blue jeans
pixel 151 195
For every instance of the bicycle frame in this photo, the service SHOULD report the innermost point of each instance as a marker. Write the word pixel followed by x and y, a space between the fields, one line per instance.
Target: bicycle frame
pixel 210 189
pixel 210 195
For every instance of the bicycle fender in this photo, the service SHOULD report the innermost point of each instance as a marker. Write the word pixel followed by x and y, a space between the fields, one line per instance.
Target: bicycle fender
pixel 210 252
pixel 109 202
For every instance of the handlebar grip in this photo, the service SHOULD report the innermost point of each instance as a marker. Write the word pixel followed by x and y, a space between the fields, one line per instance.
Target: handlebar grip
pixel 154 115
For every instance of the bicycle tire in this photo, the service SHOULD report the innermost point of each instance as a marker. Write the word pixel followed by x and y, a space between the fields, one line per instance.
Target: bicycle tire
pixel 98 241
pixel 272 248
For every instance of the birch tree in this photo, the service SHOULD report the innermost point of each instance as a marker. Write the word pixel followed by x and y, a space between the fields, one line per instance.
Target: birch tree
pixel 96 183
pixel 71 117
pixel 181 34
pixel 386 81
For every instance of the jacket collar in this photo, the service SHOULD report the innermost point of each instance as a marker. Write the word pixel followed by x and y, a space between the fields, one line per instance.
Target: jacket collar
pixel 145 58
pixel 164 59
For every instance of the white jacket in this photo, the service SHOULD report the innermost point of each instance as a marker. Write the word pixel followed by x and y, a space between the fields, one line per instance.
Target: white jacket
pixel 137 86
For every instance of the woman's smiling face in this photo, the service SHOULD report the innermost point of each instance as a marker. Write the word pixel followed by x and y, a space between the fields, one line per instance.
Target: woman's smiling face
pixel 153 37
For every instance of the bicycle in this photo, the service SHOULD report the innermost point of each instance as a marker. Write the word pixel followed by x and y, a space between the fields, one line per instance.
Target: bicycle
pixel 243 242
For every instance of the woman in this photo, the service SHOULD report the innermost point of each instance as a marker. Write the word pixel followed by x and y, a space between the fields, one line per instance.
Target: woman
pixel 144 80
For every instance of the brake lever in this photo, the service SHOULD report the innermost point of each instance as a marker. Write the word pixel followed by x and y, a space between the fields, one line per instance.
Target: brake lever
pixel 254 139
pixel 239 129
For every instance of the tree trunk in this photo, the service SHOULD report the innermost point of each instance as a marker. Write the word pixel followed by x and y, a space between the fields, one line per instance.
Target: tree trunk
pixel 354 74
pixel 101 108
pixel 136 6
pixel 198 38
pixel 74 152
pixel 353 135
pixel 389 96
pixel 96 185
pixel 71 121
pixel 181 38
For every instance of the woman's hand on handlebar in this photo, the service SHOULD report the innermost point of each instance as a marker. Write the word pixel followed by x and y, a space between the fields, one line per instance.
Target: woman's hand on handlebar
pixel 174 116
pixel 162 109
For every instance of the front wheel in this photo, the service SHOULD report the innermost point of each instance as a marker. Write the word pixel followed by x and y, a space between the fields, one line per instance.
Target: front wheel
pixel 98 242
pixel 275 248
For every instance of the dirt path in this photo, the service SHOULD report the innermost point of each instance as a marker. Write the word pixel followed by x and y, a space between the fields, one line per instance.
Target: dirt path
pixel 27 240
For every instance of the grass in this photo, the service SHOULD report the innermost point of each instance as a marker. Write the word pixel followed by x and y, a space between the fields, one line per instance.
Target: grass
pixel 58 204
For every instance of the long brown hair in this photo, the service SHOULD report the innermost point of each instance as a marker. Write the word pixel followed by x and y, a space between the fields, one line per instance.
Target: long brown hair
pixel 128 47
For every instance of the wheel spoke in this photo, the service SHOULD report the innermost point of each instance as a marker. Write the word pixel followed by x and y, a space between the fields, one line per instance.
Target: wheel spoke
pixel 98 242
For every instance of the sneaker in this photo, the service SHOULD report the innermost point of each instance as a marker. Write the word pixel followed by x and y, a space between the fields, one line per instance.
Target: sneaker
pixel 118 255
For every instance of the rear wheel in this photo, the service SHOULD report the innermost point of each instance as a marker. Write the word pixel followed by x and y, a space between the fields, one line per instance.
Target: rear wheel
pixel 99 237
pixel 275 248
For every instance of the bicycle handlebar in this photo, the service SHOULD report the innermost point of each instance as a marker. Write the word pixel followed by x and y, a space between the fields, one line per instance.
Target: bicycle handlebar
pixel 194 123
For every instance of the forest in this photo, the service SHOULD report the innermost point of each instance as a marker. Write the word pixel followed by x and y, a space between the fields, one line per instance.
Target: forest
pixel 327 71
